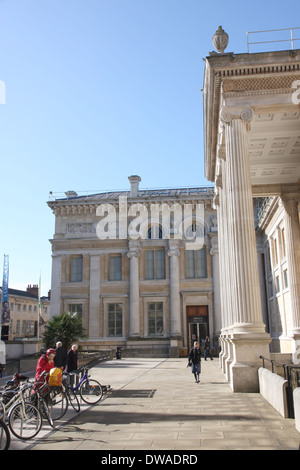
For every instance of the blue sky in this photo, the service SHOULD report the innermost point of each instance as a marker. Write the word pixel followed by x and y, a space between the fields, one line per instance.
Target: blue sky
pixel 97 90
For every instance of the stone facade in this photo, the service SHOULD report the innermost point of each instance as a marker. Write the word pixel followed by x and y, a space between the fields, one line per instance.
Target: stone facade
pixel 121 261
pixel 252 123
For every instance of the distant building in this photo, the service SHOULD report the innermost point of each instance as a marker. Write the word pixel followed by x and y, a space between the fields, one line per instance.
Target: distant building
pixel 129 276
pixel 25 320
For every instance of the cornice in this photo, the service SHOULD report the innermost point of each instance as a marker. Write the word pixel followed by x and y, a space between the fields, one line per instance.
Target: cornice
pixel 230 75
pixel 70 208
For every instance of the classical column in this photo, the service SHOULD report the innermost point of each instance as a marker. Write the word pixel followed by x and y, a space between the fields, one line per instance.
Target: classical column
pixel 55 285
pixel 292 239
pixel 134 300
pixel 175 323
pixel 216 281
pixel 94 299
pixel 247 335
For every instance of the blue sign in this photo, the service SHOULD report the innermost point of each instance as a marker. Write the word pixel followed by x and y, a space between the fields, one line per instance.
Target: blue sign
pixel 5 312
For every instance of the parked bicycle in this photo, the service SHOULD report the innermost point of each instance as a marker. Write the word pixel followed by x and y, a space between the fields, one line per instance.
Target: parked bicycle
pixel 90 390
pixel 24 419
pixel 72 397
pixel 4 436
pixel 51 401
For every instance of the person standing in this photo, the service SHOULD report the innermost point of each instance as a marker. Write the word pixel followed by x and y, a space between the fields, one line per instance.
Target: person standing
pixel 207 349
pixel 72 358
pixel 60 359
pixel 195 361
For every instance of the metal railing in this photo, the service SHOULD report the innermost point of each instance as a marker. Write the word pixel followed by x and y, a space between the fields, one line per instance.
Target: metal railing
pixel 290 373
pixel 291 39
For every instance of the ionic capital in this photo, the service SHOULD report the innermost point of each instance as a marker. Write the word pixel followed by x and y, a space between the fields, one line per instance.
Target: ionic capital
pixel 133 254
pixel 228 113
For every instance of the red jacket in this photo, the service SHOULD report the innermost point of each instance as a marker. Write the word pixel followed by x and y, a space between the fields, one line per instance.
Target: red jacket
pixel 42 365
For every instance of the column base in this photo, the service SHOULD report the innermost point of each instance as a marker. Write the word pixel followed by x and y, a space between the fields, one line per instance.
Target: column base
pixel 247 347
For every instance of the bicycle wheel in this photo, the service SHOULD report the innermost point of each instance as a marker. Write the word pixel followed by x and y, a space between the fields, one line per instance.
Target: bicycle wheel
pixel 73 400
pixel 4 436
pixel 58 404
pixel 44 409
pixel 25 421
pixel 91 391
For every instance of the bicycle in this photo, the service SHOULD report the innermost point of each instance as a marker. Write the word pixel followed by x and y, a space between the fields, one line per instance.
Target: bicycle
pixel 52 402
pixel 72 397
pixel 4 436
pixel 24 419
pixel 90 390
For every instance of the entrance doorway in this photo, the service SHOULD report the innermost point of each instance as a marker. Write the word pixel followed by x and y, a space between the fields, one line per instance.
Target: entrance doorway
pixel 197 325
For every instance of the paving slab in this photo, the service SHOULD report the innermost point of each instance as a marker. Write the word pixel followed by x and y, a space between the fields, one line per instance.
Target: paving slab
pixel 156 405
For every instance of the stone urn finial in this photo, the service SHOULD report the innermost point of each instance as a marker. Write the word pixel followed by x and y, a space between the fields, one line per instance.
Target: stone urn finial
pixel 220 40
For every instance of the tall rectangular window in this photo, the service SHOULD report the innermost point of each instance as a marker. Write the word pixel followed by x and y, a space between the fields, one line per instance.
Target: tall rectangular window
pixel 155 264
pixel 115 327
pixel 76 269
pixel 76 308
pixel 195 264
pixel 115 268
pixel 155 319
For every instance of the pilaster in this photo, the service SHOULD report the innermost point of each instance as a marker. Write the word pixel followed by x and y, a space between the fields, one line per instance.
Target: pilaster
pixel 94 313
pixel 292 236
pixel 175 323
pixel 134 301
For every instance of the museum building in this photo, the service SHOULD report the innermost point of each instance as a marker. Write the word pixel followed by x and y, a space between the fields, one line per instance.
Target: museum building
pixel 154 270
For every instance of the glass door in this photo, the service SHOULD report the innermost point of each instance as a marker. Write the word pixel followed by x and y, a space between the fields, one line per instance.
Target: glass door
pixel 197 331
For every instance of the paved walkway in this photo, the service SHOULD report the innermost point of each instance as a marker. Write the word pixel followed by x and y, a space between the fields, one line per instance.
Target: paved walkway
pixel 155 404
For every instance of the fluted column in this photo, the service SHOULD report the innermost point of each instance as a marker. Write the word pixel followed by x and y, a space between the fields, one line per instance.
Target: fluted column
pixel 247 335
pixel 175 323
pixel 241 218
pixel 134 301
pixel 292 238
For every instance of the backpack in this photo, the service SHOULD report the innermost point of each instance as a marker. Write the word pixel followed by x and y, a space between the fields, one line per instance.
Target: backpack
pixel 55 377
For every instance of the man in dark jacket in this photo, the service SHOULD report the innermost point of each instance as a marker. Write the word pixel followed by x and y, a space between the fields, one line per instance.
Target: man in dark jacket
pixel 195 360
pixel 72 358
pixel 60 359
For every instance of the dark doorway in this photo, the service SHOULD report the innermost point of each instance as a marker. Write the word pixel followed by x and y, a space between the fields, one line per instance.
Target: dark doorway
pixel 197 324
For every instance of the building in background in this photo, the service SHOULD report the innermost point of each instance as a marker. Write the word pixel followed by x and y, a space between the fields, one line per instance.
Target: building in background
pixel 130 276
pixel 25 320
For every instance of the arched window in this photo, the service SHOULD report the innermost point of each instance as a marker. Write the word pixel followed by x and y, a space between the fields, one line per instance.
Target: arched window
pixel 154 233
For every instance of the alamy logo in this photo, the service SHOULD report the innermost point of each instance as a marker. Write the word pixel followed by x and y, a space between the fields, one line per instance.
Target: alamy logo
pixel 296 94
pixel 153 221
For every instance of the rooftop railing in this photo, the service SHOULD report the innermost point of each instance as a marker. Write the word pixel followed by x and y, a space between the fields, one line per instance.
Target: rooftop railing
pixel 274 36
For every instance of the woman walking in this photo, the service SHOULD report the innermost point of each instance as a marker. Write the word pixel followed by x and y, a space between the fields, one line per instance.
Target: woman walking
pixel 195 361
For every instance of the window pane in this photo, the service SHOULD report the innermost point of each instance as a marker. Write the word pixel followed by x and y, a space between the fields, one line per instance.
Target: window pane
pixel 201 263
pixel 160 264
pixel 149 265
pixel 76 269
pixel 115 268
pixel 155 319
pixel 115 320
pixel 189 264
pixel 76 308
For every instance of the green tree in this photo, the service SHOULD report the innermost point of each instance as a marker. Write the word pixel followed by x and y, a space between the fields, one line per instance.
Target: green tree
pixel 66 327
